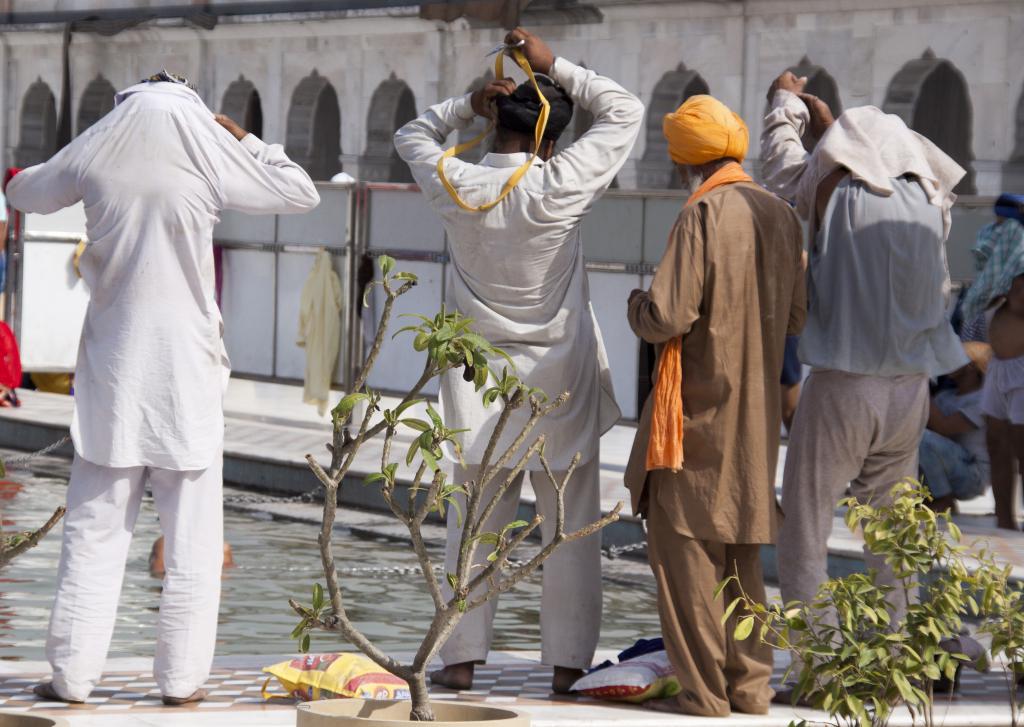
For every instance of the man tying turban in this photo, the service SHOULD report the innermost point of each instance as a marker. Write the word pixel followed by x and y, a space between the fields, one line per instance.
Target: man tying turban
pixel 517 271
pixel 728 290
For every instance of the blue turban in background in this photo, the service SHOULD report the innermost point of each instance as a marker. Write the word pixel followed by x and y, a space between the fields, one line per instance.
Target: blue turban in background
pixel 1011 206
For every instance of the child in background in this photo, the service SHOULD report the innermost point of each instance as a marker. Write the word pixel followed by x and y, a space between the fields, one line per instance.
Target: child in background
pixel 954 460
pixel 1003 401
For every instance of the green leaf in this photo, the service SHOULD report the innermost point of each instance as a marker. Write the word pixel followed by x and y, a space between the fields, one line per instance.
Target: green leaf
pixel 374 477
pixel 387 264
pixel 905 690
pixel 318 597
pixel 346 405
pixel 453 581
pixel 418 424
pixel 304 644
pixel 729 609
pixel 430 460
pixel 435 417
pixel 743 628
pixel 411 277
pixel 462 605
pixel 514 526
pixel 405 405
pixel 458 509
pixel 488 538
pixel 721 587
pixel 300 629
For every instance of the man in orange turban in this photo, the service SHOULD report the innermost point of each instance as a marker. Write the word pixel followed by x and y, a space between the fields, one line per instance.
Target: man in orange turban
pixel 726 293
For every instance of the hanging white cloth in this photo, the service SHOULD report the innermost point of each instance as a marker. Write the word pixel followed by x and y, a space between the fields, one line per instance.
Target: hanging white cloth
pixel 320 330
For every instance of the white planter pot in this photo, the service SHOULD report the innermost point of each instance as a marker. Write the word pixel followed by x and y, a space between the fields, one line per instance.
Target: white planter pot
pixel 378 713
pixel 15 719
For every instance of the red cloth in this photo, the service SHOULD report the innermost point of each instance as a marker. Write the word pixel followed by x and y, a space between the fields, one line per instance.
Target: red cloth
pixel 10 358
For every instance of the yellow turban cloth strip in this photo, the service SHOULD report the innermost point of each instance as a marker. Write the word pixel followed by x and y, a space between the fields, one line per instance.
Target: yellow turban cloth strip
pixel 538 136
pixel 704 129
pixel 665 446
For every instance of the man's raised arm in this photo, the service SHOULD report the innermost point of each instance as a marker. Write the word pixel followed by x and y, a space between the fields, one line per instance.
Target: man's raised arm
pixel 259 178
pixel 47 187
pixel 794 116
pixel 588 166
pixel 420 143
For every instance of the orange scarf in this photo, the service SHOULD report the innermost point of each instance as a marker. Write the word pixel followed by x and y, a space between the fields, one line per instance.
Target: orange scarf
pixel 665 447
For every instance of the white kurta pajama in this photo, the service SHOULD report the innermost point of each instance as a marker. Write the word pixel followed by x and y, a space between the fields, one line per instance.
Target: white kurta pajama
pixel 154 175
pixel 518 272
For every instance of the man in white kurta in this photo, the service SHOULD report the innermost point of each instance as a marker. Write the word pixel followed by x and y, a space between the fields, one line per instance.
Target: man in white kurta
pixel 154 175
pixel 518 272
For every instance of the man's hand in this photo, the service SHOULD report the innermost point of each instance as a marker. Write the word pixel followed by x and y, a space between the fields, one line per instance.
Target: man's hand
pixel 787 82
pixel 821 114
pixel 483 100
pixel 536 50
pixel 237 131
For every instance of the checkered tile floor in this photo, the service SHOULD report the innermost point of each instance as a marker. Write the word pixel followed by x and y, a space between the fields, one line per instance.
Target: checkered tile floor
pixel 240 689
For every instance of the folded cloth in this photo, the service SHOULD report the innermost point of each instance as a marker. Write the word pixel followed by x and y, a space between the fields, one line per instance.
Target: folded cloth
pixel 878 147
pixel 640 648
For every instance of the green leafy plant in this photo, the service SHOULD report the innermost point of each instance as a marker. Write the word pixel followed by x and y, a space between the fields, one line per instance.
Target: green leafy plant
pixel 1004 603
pixel 451 345
pixel 851 657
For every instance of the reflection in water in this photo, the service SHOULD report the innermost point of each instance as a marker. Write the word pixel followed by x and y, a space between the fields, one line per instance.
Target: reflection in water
pixel 274 561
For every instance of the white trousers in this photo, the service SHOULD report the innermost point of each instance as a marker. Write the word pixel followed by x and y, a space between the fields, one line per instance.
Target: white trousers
pixel 570 611
pixel 103 504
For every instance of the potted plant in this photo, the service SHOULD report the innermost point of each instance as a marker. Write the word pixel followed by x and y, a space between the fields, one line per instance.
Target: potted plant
pixel 851 659
pixel 450 344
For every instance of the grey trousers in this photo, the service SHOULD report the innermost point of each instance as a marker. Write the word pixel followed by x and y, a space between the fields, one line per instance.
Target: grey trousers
pixel 861 431
pixel 570 611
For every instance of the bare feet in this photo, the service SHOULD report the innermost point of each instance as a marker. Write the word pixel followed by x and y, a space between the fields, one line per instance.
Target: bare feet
pixel 196 696
pixel 47 692
pixel 454 676
pixel 564 678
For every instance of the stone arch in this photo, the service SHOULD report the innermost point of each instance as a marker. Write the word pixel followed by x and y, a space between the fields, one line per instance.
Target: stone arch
pixel 392 106
pixel 97 102
pixel 930 94
pixel 478 126
pixel 241 102
pixel 37 140
pixel 313 138
pixel 655 169
pixel 1018 137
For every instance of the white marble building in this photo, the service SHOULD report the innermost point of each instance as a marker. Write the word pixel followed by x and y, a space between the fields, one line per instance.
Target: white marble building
pixel 333 85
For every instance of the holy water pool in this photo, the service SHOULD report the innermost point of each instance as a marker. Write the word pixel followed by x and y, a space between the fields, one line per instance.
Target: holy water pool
pixel 275 561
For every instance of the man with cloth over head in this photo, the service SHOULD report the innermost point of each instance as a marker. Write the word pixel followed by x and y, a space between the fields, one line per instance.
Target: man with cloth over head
pixel 518 273
pixel 154 175
pixel 877 195
pixel 727 292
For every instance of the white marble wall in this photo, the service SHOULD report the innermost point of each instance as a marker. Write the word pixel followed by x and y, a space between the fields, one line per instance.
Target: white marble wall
pixel 737 48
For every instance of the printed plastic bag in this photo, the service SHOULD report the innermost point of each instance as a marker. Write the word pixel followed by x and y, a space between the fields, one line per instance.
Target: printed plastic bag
pixel 333 676
pixel 639 679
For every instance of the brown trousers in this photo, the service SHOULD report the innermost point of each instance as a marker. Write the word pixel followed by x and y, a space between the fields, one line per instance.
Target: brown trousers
pixel 717 673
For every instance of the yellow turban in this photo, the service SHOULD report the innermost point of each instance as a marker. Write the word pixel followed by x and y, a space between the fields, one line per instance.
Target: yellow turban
pixel 704 129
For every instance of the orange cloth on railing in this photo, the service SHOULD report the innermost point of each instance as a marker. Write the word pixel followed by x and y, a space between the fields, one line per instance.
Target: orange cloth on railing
pixel 665 447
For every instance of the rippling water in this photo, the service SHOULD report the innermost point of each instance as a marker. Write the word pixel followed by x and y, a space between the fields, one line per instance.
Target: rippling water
pixel 275 561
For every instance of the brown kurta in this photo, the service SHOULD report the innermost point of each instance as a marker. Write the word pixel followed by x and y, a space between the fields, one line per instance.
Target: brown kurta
pixel 731 283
